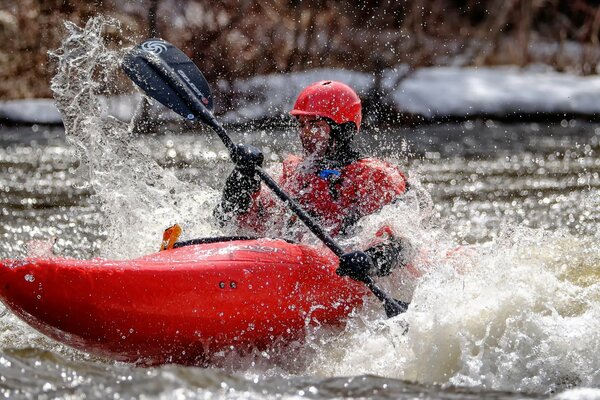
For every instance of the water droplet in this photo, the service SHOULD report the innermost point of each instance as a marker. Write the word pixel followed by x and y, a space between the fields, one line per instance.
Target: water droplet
pixel 29 278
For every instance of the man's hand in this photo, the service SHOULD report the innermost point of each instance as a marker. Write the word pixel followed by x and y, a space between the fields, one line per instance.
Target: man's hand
pixel 247 158
pixel 389 255
pixel 356 265
pixel 241 184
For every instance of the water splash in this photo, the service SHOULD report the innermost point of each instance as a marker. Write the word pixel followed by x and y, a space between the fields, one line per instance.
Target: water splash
pixel 138 197
pixel 41 248
pixel 516 314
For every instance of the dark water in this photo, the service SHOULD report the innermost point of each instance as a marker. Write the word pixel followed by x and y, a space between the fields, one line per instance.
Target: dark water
pixel 524 195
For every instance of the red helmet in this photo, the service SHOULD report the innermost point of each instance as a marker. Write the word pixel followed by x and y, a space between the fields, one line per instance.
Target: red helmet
pixel 330 99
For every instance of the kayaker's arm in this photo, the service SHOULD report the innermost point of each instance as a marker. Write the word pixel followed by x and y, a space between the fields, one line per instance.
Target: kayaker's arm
pixel 377 185
pixel 241 184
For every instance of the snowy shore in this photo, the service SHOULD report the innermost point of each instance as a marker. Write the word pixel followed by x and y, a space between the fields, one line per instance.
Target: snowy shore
pixel 428 93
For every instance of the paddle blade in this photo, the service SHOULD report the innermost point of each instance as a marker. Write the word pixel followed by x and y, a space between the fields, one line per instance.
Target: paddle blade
pixel 166 74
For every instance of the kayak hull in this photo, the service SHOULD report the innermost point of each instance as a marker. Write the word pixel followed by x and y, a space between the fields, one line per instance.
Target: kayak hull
pixel 181 305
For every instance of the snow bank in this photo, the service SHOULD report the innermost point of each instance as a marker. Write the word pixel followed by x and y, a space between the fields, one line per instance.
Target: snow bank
pixel 44 111
pixel 441 91
pixel 432 92
pixel 34 111
pixel 429 92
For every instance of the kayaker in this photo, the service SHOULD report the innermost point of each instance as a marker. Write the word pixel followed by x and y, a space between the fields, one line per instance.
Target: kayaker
pixel 332 181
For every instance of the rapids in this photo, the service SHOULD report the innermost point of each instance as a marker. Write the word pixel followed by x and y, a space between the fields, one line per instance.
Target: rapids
pixel 505 217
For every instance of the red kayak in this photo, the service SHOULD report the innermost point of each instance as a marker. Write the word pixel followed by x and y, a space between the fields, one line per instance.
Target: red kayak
pixel 184 304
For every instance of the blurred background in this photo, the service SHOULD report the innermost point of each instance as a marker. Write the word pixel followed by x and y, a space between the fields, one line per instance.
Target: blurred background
pixel 235 39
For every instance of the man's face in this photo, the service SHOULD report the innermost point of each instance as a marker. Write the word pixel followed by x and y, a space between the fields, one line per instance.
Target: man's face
pixel 314 135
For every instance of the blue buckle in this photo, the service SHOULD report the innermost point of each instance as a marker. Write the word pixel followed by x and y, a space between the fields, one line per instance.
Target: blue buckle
pixel 327 173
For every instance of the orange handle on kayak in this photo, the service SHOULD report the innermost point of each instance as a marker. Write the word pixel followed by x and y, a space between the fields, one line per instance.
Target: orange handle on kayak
pixel 170 236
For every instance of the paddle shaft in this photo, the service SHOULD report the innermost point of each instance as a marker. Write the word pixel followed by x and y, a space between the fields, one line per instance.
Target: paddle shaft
pixel 176 82
pixel 390 303
pixel 320 233
pixel 306 219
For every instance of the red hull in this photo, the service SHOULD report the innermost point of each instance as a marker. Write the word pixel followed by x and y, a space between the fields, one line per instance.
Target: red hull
pixel 180 305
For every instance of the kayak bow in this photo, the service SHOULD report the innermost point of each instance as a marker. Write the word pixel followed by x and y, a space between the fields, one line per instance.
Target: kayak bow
pixel 181 305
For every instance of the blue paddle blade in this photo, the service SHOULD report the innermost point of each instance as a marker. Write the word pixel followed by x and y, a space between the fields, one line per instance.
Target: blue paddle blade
pixel 151 62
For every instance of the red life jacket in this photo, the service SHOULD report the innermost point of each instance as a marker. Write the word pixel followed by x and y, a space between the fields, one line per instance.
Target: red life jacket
pixel 337 201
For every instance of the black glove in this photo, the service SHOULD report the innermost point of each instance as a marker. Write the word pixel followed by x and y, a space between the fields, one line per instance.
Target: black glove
pixel 247 158
pixel 389 255
pixel 241 184
pixel 356 265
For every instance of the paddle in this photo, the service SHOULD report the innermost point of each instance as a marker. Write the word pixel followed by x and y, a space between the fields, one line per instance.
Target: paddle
pixel 166 74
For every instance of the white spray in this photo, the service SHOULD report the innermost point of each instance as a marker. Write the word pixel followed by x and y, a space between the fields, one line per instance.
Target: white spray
pixel 138 197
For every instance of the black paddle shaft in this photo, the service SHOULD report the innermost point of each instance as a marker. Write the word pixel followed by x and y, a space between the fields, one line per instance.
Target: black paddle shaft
pixel 156 62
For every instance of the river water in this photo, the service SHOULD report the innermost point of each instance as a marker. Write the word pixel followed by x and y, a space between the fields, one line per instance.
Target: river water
pixel 521 317
pixel 512 314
